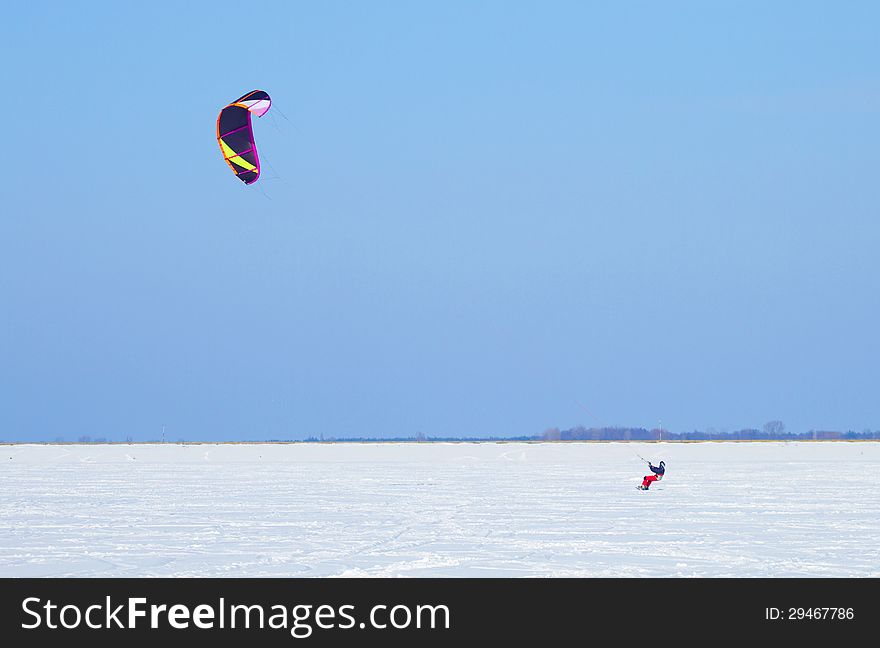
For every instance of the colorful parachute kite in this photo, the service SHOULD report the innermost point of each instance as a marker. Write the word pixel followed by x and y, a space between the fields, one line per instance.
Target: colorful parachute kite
pixel 236 136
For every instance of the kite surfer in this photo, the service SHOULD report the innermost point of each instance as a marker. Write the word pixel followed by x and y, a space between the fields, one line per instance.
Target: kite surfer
pixel 657 473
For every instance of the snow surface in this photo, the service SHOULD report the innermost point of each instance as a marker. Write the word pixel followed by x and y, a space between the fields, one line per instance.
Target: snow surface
pixel 440 509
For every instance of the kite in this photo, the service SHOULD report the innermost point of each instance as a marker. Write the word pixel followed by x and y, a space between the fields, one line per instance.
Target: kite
pixel 236 135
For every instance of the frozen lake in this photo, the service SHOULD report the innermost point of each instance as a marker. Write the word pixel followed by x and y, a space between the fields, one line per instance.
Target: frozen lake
pixel 440 509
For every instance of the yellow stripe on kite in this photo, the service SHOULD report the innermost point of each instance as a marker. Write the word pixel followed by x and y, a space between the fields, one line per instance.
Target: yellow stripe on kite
pixel 240 161
pixel 227 152
pixel 232 156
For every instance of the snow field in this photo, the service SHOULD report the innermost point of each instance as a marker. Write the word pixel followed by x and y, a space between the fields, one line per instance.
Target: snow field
pixel 744 509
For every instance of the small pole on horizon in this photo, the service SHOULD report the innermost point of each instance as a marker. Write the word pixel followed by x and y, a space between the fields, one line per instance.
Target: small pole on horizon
pixel 163 434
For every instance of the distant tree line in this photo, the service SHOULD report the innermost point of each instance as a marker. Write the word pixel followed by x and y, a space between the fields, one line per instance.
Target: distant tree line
pixel 771 431
pixel 408 439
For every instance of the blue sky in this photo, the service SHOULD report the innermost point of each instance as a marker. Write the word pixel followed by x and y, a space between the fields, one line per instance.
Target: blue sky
pixel 477 218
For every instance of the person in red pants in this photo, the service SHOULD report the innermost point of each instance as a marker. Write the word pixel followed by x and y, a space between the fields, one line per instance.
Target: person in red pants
pixel 657 474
